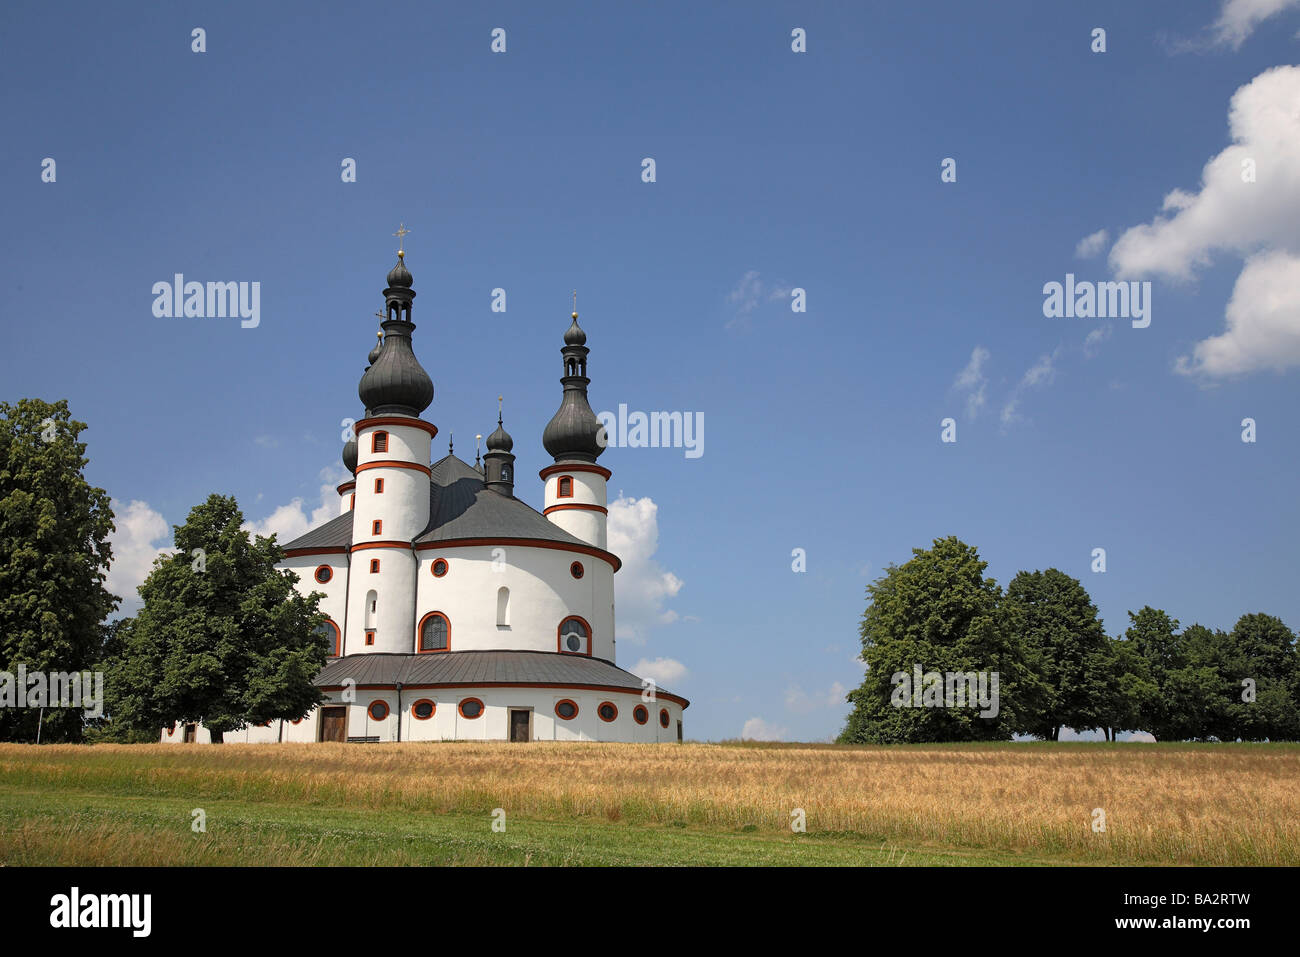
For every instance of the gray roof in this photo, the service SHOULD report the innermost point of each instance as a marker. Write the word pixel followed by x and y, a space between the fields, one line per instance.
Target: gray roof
pixel 460 506
pixel 471 668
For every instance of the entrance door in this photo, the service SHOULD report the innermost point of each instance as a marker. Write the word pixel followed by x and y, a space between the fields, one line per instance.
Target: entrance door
pixel 333 724
pixel 521 720
pixel 191 733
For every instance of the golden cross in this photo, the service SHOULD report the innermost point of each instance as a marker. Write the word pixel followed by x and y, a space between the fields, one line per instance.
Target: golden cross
pixel 401 234
pixel 380 315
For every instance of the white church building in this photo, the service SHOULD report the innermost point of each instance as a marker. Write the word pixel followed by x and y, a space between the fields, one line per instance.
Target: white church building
pixel 454 610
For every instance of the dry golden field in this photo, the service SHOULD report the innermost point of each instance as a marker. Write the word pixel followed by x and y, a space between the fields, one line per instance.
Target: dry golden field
pixel 1174 804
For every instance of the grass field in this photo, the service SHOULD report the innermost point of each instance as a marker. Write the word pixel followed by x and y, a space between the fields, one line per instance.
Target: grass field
pixel 600 804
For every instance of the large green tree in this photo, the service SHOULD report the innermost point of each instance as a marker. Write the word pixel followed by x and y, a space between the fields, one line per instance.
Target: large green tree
pixel 1064 638
pixel 1263 653
pixel 223 637
pixel 1127 691
pixel 939 612
pixel 54 556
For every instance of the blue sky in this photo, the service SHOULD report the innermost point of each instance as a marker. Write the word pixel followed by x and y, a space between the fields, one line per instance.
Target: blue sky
pixel 774 170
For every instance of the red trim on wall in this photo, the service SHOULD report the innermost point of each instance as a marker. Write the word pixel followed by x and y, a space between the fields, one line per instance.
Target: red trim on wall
pixel 346 487
pixel 460 708
pixel 608 689
pixel 566 701
pixel 429 701
pixel 352 501
pixel 329 574
pixel 590 508
pixel 370 636
pixel 663 717
pixel 419 629
pixel 575 467
pixel 446 567
pixel 379 486
pixel 377 527
pixel 396 420
pixel 576 570
pixel 395 464
pixel 374 566
pixel 559 636
pixel 609 557
pixel 602 705
pixel 640 714
pixel 405 546
pixel 379 704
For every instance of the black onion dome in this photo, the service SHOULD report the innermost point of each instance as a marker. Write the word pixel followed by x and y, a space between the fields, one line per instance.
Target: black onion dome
pixel 350 456
pixel 395 381
pixel 374 353
pixel 574 430
pixel 399 276
pixel 500 440
pixel 574 336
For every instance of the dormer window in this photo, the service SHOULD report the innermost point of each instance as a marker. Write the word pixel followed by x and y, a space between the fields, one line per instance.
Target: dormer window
pixel 379 442
pixel 566 487
pixel 574 636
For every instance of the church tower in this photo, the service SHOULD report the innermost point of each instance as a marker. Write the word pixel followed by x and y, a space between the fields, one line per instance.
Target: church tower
pixel 498 463
pixel 392 482
pixel 575 493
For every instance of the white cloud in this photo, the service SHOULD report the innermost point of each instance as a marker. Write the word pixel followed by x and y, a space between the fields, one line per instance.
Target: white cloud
pixel 1041 373
pixel 756 729
pixel 290 521
pixel 800 702
pixel 973 381
pixel 1093 340
pixel 140 535
pixel 663 671
pixel 1091 244
pixel 1256 221
pixel 641 587
pixel 750 292
pixel 1239 18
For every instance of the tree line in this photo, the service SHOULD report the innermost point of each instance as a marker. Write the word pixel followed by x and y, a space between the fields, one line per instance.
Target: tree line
pixel 1057 668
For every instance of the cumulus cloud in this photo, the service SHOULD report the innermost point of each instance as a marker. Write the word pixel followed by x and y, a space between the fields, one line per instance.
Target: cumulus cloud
pixel 662 671
pixel 1239 18
pixel 756 729
pixel 1091 244
pixel 642 587
pixel 1231 214
pixel 973 382
pixel 289 521
pixel 140 535
pixel 800 702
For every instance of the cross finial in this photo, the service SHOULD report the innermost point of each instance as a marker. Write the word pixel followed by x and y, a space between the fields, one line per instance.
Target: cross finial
pixel 575 304
pixel 499 398
pixel 451 442
pixel 380 315
pixel 401 234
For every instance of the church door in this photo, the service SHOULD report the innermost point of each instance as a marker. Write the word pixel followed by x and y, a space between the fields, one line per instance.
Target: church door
pixel 191 733
pixel 333 724
pixel 521 720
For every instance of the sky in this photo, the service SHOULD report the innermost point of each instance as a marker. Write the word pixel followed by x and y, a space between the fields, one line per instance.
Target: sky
pixel 780 179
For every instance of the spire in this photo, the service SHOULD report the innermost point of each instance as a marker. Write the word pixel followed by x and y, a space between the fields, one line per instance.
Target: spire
pixel 451 446
pixel 574 432
pixel 498 463
pixel 395 382
pixel 477 439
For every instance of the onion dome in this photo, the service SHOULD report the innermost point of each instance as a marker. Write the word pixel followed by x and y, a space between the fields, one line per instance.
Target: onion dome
pixel 350 456
pixel 374 353
pixel 574 432
pixel 498 463
pixel 399 276
pixel 395 382
pixel 500 440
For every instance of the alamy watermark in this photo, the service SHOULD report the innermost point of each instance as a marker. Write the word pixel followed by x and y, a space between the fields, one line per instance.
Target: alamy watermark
pixel 1098 300
pixel 56 689
pixel 952 689
pixel 215 300
pixel 653 430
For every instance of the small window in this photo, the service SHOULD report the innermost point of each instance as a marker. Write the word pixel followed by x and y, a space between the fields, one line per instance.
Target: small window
pixel 575 636
pixel 377 527
pixel 566 709
pixel 379 442
pixel 324 574
pixel 471 708
pixel 374 565
pixel 566 487
pixel 663 717
pixel 378 710
pixel 439 567
pixel 330 632
pixel 370 637
pixel 435 632
pixel 608 711
pixel 423 709
pixel 640 714
pixel 505 473
pixel 576 570
pixel 379 486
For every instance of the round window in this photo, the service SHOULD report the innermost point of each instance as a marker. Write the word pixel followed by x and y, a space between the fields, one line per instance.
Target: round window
pixel 378 710
pixel 471 708
pixel 439 567
pixel 573 635
pixel 566 709
pixel 576 570
pixel 640 714
pixel 324 573
pixel 423 709
pixel 663 717
pixel 607 711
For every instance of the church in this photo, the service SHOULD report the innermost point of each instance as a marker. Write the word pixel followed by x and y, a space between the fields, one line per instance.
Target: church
pixel 455 611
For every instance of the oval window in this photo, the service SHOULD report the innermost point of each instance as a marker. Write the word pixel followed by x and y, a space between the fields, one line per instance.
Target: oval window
pixel 471 708
pixel 663 717
pixel 423 709
pixel 640 714
pixel 607 711
pixel 576 570
pixel 324 573
pixel 378 710
pixel 439 567
pixel 566 709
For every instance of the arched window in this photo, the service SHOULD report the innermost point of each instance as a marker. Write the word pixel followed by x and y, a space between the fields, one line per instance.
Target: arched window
pixel 378 710
pixel 330 632
pixel 503 607
pixel 435 633
pixel 324 573
pixel 574 636
pixel 505 473
pixel 372 609
pixel 567 709
pixel 379 442
pixel 566 487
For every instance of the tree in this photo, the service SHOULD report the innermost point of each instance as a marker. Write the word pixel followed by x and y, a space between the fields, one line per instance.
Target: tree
pixel 937 612
pixel 1127 692
pixel 54 556
pixel 223 637
pixel 1263 652
pixel 1054 615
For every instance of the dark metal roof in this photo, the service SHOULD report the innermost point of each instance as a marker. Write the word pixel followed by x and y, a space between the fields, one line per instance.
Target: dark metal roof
pixel 481 668
pixel 336 533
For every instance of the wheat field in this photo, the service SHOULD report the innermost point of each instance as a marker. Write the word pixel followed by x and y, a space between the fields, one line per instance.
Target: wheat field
pixel 1170 804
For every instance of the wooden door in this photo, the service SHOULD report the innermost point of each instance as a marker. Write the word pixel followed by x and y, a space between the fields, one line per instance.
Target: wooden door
pixel 191 733
pixel 333 724
pixel 520 719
